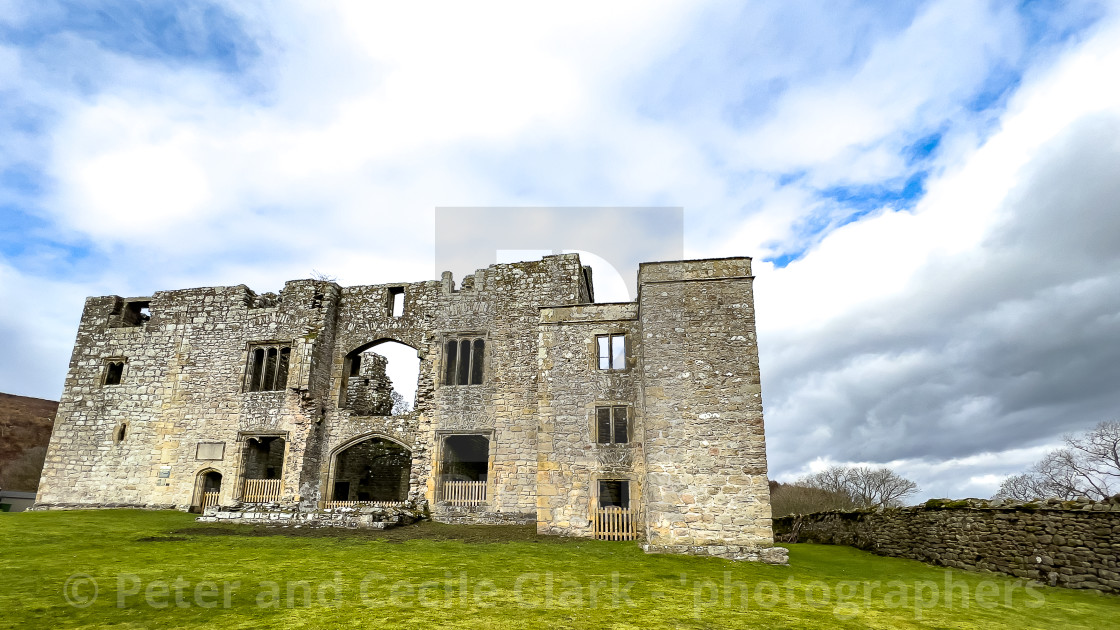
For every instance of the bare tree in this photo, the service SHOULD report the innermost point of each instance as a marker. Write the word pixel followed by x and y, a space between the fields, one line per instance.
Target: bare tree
pixel 400 403
pixel 794 498
pixel 1023 488
pixel 1088 465
pixel 867 487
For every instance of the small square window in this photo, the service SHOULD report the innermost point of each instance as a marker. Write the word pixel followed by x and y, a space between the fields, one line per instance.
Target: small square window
pixel 114 372
pixel 614 493
pixel 611 426
pixel 612 352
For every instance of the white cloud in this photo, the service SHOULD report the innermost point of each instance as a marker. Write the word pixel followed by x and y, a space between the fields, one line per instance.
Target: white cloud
pixel 330 149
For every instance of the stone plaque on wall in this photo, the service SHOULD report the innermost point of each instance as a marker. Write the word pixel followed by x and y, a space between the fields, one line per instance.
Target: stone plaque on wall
pixel 210 450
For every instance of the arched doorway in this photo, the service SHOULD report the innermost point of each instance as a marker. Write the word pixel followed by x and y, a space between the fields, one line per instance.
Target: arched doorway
pixel 207 489
pixel 372 470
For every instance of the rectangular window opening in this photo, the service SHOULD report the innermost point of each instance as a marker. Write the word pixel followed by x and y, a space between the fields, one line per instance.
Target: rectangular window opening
pixel 136 313
pixel 614 493
pixel 611 426
pixel 396 301
pixel 612 351
pixel 268 368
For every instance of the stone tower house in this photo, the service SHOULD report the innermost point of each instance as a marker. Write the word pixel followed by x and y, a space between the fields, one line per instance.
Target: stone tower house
pixel 533 404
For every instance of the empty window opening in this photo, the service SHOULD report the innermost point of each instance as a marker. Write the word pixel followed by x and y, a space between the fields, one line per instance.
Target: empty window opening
pixel 464 468
pixel 264 457
pixel 614 493
pixel 463 361
pixel 136 313
pixel 372 470
pixel 396 301
pixel 268 367
pixel 114 371
pixel 611 425
pixel 612 352
pixel 466 457
pixel 120 433
pixel 380 380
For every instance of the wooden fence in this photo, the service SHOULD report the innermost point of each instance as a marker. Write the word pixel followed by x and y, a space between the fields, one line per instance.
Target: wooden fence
pixel 261 491
pixel 614 523
pixel 209 499
pixel 350 504
pixel 463 493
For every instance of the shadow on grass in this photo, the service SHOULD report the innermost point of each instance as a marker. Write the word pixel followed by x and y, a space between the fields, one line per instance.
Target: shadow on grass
pixel 422 530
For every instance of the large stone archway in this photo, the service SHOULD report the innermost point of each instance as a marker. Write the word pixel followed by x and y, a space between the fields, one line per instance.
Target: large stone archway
pixel 369 469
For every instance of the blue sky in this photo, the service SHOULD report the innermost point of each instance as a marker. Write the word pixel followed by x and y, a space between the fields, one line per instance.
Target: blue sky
pixel 898 171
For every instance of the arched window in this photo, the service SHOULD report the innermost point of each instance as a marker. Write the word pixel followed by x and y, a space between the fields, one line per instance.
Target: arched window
pixel 464 361
pixel 268 367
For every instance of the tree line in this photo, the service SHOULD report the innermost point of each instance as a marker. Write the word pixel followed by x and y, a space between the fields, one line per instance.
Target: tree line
pixel 840 488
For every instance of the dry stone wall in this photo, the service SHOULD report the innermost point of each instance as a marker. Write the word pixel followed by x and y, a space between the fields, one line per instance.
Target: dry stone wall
pixel 1061 543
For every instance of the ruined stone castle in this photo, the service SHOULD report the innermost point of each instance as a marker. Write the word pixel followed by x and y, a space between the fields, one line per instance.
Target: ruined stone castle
pixel 638 420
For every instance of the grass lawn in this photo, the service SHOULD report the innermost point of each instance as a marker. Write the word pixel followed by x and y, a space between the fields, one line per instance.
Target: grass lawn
pixel 135 569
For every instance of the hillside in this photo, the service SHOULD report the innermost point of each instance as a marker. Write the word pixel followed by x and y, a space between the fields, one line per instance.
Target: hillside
pixel 25 429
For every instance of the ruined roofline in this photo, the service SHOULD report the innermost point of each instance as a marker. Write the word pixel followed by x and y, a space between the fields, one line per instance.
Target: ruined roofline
pixel 227 287
pixel 693 260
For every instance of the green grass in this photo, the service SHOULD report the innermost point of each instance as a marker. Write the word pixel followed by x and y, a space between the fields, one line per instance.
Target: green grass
pixel 415 577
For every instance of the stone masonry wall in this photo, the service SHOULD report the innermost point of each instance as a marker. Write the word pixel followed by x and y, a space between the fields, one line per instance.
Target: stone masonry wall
pixel 137 442
pixel 570 461
pixel 694 460
pixel 500 305
pixel 1071 543
pixel 705 449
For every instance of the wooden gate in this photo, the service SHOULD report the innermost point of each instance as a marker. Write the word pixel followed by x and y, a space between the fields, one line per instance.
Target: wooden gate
pixel 261 491
pixel 463 493
pixel 614 523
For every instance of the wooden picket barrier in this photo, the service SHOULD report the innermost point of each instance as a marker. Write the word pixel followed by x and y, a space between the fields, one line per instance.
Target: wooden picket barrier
pixel 261 491
pixel 351 504
pixel 614 523
pixel 463 493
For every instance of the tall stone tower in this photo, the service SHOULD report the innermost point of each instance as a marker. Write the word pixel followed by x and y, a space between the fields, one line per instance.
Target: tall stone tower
pixel 705 449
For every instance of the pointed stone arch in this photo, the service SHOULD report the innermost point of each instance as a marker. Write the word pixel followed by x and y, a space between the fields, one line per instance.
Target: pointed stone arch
pixel 372 467
pixel 207 488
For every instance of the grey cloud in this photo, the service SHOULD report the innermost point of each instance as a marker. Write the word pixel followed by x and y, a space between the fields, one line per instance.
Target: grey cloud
pixel 984 353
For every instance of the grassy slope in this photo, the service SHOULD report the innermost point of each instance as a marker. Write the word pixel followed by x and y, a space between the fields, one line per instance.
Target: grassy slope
pixel 39 550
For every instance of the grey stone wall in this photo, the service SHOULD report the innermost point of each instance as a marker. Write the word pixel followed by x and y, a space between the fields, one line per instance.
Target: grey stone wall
pixel 694 458
pixel 705 449
pixel 1061 543
pixel 570 461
